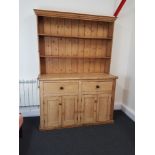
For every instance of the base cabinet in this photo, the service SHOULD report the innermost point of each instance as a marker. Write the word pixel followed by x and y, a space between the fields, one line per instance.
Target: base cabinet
pixel 78 107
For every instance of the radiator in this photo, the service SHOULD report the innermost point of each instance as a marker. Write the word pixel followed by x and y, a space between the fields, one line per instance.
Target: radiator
pixel 28 94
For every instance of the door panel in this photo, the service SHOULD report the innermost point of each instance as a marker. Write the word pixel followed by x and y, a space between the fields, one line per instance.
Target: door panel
pixel 69 110
pixel 103 107
pixel 88 109
pixel 52 112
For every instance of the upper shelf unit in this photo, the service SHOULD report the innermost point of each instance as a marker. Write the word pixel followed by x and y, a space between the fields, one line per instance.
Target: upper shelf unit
pixel 74 43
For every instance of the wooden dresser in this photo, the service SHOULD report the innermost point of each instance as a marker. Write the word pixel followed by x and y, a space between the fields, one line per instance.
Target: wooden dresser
pixel 75 55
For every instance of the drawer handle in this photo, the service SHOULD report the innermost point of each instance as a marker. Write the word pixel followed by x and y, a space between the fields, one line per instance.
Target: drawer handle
pixel 61 88
pixel 60 103
pixel 97 86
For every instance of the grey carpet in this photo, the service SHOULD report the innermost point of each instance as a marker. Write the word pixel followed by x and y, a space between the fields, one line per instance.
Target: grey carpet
pixel 112 139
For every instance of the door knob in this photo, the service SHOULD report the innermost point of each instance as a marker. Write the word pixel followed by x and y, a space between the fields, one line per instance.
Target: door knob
pixel 61 88
pixel 97 86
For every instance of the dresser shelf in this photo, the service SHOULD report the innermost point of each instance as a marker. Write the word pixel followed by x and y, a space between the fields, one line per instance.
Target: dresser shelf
pixel 73 57
pixel 74 37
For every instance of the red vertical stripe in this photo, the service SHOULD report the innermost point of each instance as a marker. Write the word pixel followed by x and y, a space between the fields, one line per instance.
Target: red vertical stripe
pixel 119 8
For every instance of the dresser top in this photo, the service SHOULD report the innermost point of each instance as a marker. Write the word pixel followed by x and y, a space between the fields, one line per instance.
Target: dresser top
pixel 82 76
pixel 70 15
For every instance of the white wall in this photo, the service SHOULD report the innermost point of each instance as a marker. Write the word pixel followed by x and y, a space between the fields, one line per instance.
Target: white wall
pixel 123 43
pixel 123 60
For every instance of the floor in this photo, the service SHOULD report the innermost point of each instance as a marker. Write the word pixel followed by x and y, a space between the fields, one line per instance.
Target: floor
pixel 113 139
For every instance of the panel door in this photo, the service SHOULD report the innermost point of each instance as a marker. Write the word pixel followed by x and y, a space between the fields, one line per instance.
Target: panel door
pixel 103 107
pixel 69 110
pixel 88 114
pixel 52 112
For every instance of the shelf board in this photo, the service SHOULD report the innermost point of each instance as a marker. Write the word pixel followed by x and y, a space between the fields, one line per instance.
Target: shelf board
pixel 73 57
pixel 75 37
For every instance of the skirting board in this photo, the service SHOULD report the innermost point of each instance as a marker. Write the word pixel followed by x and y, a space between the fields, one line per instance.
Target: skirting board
pixel 30 113
pixel 129 112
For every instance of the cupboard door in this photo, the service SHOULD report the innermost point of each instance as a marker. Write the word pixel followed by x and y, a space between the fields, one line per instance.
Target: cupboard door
pixel 52 112
pixel 69 111
pixel 88 109
pixel 103 107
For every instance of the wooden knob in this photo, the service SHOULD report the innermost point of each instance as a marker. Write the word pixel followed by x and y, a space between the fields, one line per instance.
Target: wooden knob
pixel 60 103
pixel 97 86
pixel 61 88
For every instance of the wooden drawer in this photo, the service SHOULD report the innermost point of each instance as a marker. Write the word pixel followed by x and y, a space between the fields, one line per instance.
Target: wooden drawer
pixel 60 87
pixel 97 86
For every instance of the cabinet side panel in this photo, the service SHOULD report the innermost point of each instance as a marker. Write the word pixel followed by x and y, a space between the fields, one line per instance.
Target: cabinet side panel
pixel 113 99
pixel 41 106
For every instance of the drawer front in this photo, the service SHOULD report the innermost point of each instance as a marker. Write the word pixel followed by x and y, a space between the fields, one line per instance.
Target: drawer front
pixel 97 86
pixel 60 87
